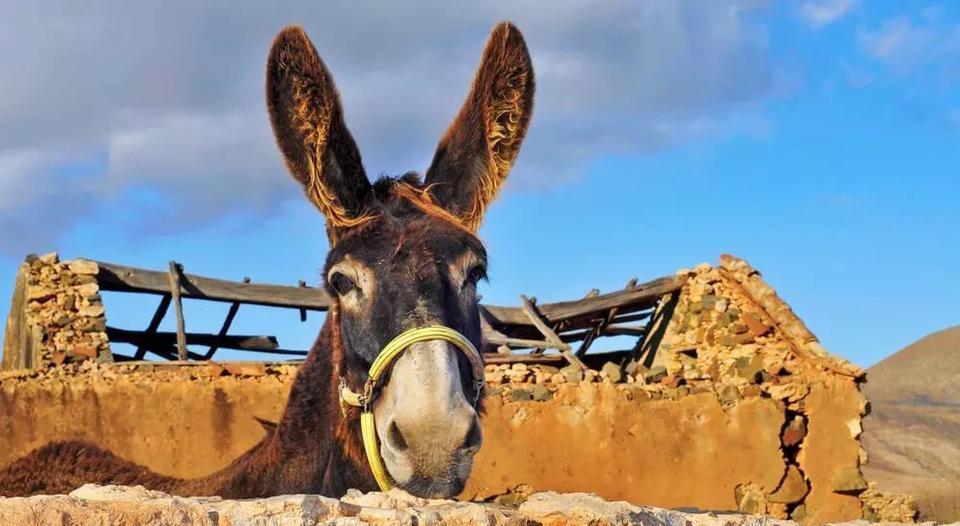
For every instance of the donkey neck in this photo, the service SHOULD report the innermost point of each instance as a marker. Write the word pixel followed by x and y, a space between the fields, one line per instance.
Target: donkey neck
pixel 315 448
pixel 315 427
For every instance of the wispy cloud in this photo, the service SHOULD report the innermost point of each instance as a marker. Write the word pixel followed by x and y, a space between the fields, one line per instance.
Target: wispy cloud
pixel 821 13
pixel 856 77
pixel 905 45
pixel 953 117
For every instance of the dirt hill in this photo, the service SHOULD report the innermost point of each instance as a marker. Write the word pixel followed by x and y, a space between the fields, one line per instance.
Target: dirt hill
pixel 926 372
pixel 913 433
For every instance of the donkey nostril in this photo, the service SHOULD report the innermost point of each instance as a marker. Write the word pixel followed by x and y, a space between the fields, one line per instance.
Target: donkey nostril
pixel 474 436
pixel 395 437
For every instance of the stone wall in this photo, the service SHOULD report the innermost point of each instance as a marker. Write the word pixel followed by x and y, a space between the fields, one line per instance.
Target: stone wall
pixel 95 505
pixel 56 315
pixel 727 329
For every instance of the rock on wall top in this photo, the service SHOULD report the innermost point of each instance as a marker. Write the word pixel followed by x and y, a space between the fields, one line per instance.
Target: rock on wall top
pixel 95 505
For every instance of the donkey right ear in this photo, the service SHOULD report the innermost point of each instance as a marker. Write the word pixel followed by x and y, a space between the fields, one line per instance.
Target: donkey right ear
pixel 307 121
pixel 476 153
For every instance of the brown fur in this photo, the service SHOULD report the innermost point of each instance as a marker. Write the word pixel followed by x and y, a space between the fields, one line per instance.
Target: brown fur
pixel 316 447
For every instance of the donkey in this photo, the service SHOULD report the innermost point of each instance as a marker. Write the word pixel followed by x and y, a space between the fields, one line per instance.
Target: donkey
pixel 404 254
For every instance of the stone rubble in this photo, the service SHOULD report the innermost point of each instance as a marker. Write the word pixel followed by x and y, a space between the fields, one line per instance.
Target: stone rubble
pixel 886 507
pixel 95 505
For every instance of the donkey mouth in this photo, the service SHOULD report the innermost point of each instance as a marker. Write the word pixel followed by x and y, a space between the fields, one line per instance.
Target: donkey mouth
pixel 434 488
pixel 435 478
pixel 432 476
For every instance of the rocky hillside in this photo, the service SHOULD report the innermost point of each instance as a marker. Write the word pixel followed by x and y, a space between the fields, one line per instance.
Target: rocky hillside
pixel 94 505
pixel 913 432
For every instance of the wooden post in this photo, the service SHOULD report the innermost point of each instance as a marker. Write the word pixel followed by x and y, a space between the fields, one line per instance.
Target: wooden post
pixel 548 333
pixel 19 343
pixel 173 277
pixel 303 312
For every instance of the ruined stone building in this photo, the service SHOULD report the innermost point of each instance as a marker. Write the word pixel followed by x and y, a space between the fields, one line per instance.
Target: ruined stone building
pixel 728 401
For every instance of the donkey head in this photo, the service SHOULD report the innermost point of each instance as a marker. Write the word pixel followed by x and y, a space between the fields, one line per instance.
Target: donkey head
pixel 404 253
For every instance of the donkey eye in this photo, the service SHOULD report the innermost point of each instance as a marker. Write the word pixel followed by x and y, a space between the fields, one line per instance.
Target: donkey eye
pixel 341 283
pixel 476 274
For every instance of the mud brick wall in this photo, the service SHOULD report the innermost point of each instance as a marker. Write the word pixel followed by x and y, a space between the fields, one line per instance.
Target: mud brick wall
pixel 56 315
pixel 651 443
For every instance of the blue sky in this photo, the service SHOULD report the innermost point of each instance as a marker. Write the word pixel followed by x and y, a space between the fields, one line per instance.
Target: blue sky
pixel 818 140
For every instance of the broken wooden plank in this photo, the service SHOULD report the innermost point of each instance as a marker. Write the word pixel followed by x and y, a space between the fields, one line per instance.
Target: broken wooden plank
pixel 154 323
pixel 531 312
pixel 524 343
pixel 498 358
pixel 169 339
pixel 129 279
pixel 644 296
pixel 121 278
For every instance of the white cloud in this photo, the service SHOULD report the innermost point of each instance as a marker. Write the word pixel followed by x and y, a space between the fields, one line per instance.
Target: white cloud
pixel 821 13
pixel 953 117
pixel 904 45
pixel 173 94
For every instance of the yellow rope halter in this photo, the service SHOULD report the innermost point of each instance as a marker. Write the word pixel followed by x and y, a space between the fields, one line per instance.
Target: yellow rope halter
pixel 391 352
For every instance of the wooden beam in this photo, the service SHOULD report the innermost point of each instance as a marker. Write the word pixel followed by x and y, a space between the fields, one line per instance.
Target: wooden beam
pixel 633 317
pixel 169 339
pixel 303 312
pixel 644 295
pixel 173 277
pixel 534 316
pixel 523 343
pixel 129 279
pixel 154 323
pixel 624 330
pixel 497 358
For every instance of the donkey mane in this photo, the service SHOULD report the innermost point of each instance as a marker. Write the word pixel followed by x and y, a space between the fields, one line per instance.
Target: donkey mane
pixel 397 194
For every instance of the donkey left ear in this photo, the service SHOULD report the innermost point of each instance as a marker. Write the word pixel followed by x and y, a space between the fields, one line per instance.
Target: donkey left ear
pixel 307 121
pixel 476 153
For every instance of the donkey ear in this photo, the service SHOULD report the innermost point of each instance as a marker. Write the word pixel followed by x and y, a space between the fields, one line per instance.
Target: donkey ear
pixel 307 121
pixel 477 151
